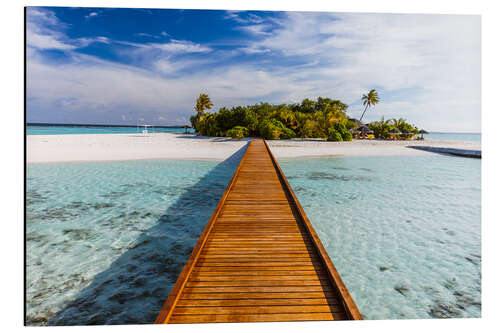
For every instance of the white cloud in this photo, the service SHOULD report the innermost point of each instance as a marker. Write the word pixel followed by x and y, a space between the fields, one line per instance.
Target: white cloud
pixel 253 49
pixel 91 14
pixel 46 42
pixel 429 64
pixel 435 56
pixel 180 46
pixel 250 18
pixel 256 29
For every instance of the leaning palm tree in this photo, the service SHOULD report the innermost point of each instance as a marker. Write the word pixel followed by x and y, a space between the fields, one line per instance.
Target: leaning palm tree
pixel 203 103
pixel 369 99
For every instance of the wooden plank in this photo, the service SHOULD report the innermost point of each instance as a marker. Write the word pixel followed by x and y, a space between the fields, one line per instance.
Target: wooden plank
pixel 253 295
pixel 259 302
pixel 253 318
pixel 257 283
pixel 177 289
pixel 351 308
pixel 256 309
pixel 257 259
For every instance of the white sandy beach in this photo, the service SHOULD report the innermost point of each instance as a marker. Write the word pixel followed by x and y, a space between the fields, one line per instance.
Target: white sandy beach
pixel 117 147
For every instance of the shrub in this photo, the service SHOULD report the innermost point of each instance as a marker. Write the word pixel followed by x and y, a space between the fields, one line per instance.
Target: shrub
pixel 237 132
pixel 271 129
pixel 287 133
pixel 334 135
pixel 343 131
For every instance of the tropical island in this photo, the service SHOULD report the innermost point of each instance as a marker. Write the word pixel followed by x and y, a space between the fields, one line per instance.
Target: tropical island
pixel 323 118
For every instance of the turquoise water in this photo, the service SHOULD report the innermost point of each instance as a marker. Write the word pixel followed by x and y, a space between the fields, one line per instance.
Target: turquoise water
pixel 454 136
pixel 403 232
pixel 106 241
pixel 50 130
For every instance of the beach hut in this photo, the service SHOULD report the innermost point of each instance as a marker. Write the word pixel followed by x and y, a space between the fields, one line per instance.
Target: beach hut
pixel 407 134
pixel 358 123
pixel 422 132
pixel 394 132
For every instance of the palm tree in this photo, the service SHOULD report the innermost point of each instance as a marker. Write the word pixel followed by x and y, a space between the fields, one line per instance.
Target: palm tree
pixel 370 99
pixel 203 103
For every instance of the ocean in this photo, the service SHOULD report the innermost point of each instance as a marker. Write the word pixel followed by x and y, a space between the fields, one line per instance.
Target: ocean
pixel 106 241
pixel 474 137
pixel 80 129
pixel 403 232
pixel 51 130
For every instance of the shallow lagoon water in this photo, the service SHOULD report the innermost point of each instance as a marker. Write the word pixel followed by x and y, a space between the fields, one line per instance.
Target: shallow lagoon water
pixel 403 232
pixel 106 241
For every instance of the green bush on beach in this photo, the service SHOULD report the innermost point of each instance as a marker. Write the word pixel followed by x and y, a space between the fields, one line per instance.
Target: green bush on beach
pixel 382 129
pixel 237 132
pixel 323 118
pixel 308 119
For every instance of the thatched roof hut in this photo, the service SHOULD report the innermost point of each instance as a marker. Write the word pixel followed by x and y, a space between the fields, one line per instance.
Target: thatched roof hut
pixel 358 123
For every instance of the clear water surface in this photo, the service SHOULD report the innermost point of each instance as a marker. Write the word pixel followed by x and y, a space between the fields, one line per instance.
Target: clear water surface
pixel 403 232
pixel 51 130
pixel 474 137
pixel 106 241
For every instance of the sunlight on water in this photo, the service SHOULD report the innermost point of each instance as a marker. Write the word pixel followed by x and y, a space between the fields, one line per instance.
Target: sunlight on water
pixel 403 232
pixel 106 241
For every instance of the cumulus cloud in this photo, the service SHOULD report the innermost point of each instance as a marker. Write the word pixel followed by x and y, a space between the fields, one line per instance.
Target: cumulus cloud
pixel 425 67
pixel 436 56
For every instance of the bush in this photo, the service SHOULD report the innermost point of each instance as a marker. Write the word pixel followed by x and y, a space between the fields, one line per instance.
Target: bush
pixel 271 129
pixel 287 133
pixel 333 135
pixel 343 131
pixel 237 132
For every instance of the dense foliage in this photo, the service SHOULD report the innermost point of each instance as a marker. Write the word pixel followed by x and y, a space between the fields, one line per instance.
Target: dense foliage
pixel 382 129
pixel 323 118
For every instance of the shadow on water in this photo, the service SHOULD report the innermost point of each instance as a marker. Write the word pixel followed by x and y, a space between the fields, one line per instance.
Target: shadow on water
pixel 134 287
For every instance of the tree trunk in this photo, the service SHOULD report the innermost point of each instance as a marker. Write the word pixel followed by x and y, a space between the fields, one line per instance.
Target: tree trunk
pixel 366 107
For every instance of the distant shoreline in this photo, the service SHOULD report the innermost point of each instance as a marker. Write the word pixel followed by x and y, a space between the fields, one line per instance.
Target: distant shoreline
pixel 100 125
pixel 177 126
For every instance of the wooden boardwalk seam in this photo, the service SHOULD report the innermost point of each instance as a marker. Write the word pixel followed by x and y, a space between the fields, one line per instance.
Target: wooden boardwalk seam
pixel 259 258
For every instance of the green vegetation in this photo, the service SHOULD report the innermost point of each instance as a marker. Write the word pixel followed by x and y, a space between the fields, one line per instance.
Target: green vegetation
pixel 323 118
pixel 368 100
pixel 237 132
pixel 382 129
pixel 309 119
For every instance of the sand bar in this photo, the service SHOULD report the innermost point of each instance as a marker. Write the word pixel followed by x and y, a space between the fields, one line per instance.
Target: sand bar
pixel 123 147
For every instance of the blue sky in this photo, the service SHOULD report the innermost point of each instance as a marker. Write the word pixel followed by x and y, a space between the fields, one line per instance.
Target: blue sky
pixel 124 66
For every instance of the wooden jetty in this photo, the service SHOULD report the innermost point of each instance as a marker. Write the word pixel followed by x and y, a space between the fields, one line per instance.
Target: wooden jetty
pixel 259 258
